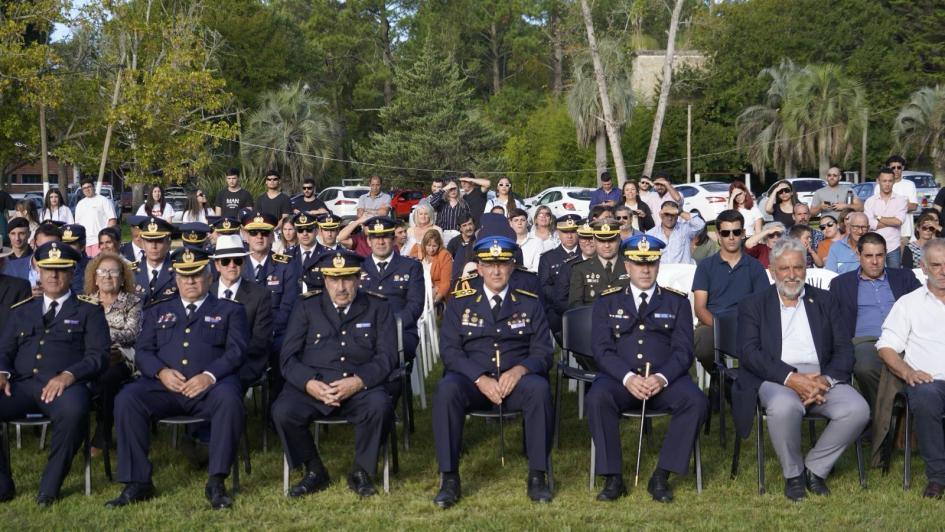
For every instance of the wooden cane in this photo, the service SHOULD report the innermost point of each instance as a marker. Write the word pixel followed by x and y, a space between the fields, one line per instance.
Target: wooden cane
pixel 636 476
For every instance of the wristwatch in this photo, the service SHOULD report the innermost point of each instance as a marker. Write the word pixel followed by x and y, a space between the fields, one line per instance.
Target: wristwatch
pixel 831 381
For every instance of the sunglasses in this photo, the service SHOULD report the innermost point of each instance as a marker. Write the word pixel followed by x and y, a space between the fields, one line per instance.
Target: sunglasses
pixel 231 260
pixel 669 214
pixel 826 225
pixel 201 195
pixel 896 167
pixel 775 235
pixel 259 232
pixel 308 188
pixel 272 179
pixel 785 191
pixel 725 233
pixel 304 229
pixel 623 217
pixel 927 228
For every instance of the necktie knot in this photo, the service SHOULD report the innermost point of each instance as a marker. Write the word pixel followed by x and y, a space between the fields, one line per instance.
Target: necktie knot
pixel 341 311
pixel 191 308
pixel 381 266
pixel 228 294
pixel 50 313
pixel 642 307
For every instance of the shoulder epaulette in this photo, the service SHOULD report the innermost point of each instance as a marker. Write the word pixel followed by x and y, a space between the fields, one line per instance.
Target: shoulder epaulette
pixel 169 291
pixel 375 294
pixel 462 288
pixel 24 301
pixel 611 290
pixel 280 258
pixel 526 293
pixel 574 258
pixel 159 300
pixel 674 291
pixel 311 293
pixel 92 300
pixel 133 265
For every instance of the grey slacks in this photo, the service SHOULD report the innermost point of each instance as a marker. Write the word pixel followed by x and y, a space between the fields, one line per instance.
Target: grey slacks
pixel 844 407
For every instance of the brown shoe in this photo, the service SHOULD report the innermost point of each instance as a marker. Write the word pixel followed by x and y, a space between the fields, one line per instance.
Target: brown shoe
pixel 933 490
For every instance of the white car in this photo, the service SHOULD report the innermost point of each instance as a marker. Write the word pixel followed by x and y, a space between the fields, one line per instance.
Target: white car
pixel 804 187
pixel 563 200
pixel 708 197
pixel 343 201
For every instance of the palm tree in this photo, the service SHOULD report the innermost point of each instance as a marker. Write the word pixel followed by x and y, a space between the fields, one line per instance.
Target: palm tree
pixel 761 132
pixel 920 126
pixel 290 131
pixel 584 102
pixel 824 112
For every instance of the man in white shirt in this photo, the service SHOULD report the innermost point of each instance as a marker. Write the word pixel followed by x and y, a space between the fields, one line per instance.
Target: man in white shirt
pixel 677 228
pixel 95 212
pixel 795 360
pixel 911 348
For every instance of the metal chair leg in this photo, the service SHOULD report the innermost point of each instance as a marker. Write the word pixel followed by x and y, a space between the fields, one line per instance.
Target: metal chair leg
pixel 556 407
pixel 285 475
pixel 907 448
pixel 736 454
pixel 387 452
pixel 87 451
pixel 721 409
pixel 698 460
pixel 42 437
pixel 760 451
pixel 860 462
pixel 590 484
pixel 580 391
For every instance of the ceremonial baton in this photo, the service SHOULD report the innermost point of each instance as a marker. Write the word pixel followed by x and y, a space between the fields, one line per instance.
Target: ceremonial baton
pixel 636 476
pixel 498 375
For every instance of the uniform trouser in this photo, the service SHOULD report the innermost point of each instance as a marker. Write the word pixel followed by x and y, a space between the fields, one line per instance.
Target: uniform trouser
pixel 146 399
pixel 682 399
pixel 867 367
pixel 845 409
pixel 370 411
pixel 456 395
pixel 704 347
pixel 927 405
pixel 109 384
pixel 69 414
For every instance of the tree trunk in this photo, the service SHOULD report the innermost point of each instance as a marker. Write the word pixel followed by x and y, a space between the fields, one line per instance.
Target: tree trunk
pixel 788 169
pixel 664 90
pixel 823 154
pixel 613 134
pixel 108 133
pixel 44 150
pixel 600 145
pixel 557 53
pixel 496 67
pixel 388 55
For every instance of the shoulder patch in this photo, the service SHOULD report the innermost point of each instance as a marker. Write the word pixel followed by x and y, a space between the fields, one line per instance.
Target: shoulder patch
pixel 280 258
pixel 92 300
pixel 133 265
pixel 674 291
pixel 526 293
pixel 611 290
pixel 375 294
pixel 27 300
pixel 311 293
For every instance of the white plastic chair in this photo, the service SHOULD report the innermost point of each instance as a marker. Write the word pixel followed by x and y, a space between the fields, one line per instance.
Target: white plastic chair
pixel 920 275
pixel 820 277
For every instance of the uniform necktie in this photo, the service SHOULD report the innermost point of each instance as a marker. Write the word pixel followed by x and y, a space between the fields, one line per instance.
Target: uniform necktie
pixel 381 266
pixel 642 308
pixel 610 268
pixel 258 272
pixel 154 276
pixel 496 305
pixel 228 294
pixel 307 255
pixel 191 308
pixel 141 257
pixel 50 314
pixel 341 313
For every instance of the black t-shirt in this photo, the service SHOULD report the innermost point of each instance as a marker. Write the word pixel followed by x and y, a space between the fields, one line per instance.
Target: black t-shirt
pixel 309 206
pixel 230 203
pixel 940 201
pixel 279 206
pixel 456 245
pixel 476 201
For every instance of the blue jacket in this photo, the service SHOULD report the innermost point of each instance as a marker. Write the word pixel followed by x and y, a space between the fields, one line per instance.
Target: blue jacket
pixel 77 341
pixel 281 278
pixel 845 290
pixel 401 284
pixel 165 285
pixel 759 347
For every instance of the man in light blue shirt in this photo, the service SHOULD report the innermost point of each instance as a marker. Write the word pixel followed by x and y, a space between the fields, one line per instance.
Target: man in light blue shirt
pixel 677 228
pixel 842 257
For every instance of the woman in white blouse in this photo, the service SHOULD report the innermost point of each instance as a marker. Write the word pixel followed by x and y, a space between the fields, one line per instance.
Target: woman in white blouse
pixel 197 208
pixel 156 205
pixel 55 208
pixel 504 197
pixel 740 199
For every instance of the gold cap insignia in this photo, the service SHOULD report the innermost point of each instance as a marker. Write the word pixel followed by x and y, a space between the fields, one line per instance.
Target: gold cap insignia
pixel 303 219
pixel 226 224
pixel 338 261
pixel 569 223
pixel 259 220
pixel 152 227
pixel 495 250
pixel 643 244
pixel 378 227
pixel 605 228
pixel 54 253
pixel 67 233
pixel 188 257
pixel 192 235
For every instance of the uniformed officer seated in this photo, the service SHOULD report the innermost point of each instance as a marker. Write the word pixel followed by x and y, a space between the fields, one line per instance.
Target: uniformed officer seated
pixel 549 265
pixel 189 353
pixel 222 225
pixel 306 227
pixel 154 278
pixel 639 324
pixel 196 234
pixel 496 349
pixel 50 348
pixel 338 352
pixel 591 277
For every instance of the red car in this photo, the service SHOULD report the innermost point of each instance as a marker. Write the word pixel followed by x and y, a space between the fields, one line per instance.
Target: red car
pixel 402 202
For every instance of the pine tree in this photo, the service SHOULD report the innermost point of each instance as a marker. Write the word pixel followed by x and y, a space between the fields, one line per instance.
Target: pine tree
pixel 430 123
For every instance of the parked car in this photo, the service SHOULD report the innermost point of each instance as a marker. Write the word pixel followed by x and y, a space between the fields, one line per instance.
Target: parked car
pixel 925 187
pixel 35 197
pixel 177 197
pixel 563 200
pixel 403 202
pixel 708 197
pixel 343 201
pixel 864 190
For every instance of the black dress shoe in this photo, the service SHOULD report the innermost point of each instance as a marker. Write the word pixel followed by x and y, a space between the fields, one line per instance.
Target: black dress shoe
pixel 658 486
pixel 44 500
pixel 538 489
pixel 449 493
pixel 614 488
pixel 7 489
pixel 312 482
pixel 933 490
pixel 360 482
pixel 216 494
pixel 795 488
pixel 133 492
pixel 815 484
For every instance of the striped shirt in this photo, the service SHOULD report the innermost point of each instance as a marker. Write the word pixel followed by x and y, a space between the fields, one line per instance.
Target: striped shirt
pixel 448 216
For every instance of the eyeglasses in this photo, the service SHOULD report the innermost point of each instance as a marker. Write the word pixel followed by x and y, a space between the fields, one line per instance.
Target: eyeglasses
pixel 102 272
pixel 776 235
pixel 259 232
pixel 304 229
pixel 623 217
pixel 859 227
pixel 231 260
pixel 725 233
pixel 826 225
pixel 896 167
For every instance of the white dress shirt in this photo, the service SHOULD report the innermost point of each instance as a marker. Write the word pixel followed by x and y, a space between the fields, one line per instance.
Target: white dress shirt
pixel 915 325
pixel 221 290
pixel 797 342
pixel 60 300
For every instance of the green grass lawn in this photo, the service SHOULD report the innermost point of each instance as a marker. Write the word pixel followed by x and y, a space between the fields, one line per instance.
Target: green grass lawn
pixel 494 497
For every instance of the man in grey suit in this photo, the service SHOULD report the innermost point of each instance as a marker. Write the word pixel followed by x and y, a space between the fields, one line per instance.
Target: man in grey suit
pixel 228 262
pixel 795 359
